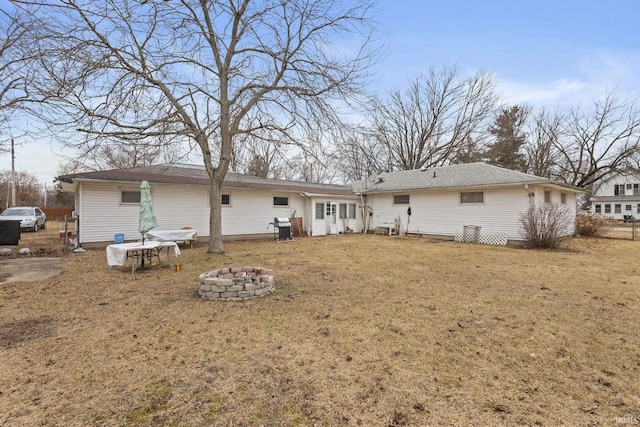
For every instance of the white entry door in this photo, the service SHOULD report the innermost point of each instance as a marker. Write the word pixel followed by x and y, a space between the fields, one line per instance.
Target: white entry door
pixel 331 218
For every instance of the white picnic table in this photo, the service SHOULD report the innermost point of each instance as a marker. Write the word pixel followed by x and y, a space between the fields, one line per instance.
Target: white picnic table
pixel 179 235
pixel 137 252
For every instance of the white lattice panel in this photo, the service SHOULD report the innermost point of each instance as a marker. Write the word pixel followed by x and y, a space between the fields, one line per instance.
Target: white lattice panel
pixel 493 238
pixel 485 238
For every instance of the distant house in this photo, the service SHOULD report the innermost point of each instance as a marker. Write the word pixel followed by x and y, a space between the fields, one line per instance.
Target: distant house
pixel 107 202
pixel 617 196
pixel 445 202
pixel 448 201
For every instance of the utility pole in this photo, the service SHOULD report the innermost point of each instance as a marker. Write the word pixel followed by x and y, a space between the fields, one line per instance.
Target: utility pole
pixel 13 174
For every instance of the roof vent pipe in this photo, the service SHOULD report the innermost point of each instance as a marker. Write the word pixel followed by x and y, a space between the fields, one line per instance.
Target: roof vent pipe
pixel 434 174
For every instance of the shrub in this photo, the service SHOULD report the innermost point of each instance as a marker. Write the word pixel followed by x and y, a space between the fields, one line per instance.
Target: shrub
pixel 546 226
pixel 589 225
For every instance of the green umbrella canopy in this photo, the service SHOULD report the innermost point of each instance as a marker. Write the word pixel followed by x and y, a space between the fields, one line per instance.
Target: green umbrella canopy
pixel 148 219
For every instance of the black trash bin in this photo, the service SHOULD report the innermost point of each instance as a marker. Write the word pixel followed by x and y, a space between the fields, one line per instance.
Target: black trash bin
pixel 9 232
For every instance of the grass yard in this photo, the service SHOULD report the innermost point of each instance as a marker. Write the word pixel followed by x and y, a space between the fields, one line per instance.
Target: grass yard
pixel 362 330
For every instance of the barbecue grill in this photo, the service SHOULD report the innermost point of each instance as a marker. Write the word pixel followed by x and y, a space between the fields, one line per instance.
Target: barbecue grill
pixel 281 229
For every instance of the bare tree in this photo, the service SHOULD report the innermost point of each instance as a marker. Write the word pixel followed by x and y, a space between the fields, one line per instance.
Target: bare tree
pixel 200 73
pixel 119 154
pixel 28 189
pixel 359 154
pixel 15 70
pixel 546 129
pixel 598 141
pixel 260 154
pixel 314 161
pixel 428 124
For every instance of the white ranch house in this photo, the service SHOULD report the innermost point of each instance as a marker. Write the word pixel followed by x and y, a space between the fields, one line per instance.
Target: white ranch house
pixel 444 202
pixel 617 196
pixel 107 202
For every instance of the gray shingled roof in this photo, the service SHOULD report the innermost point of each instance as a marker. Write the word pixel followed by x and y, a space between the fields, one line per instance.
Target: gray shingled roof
pixel 454 176
pixel 197 175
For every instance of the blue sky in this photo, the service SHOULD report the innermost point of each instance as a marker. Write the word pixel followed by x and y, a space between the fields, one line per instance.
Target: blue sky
pixel 543 53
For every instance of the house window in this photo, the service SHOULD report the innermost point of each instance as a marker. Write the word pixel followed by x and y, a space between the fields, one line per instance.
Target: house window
pixel 628 186
pixel 607 208
pixel 319 210
pixel 342 210
pixel 472 197
pixel 627 208
pixel 563 198
pixel 280 201
pixel 130 196
pixel 547 196
pixel 638 208
pixel 328 209
pixel 636 190
pixel 618 189
pixel 226 199
pixel 401 199
pixel 598 208
pixel 352 211
pixel 618 208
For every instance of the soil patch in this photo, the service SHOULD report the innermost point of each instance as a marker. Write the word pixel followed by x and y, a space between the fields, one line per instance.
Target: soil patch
pixel 17 333
pixel 29 269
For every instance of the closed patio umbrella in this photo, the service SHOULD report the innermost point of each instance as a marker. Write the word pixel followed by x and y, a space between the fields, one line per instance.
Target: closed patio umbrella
pixel 148 219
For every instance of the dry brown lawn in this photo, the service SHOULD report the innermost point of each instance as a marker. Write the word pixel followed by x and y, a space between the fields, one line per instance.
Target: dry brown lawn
pixel 362 330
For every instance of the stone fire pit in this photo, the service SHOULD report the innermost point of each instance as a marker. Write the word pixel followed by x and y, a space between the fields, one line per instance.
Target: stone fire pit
pixel 236 283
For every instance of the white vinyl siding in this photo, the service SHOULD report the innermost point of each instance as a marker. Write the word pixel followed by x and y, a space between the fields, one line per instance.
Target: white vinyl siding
pixel 253 210
pixel 102 215
pixel 441 213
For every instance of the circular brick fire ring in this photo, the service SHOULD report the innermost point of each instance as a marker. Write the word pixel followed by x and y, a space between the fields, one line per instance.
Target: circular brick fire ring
pixel 236 283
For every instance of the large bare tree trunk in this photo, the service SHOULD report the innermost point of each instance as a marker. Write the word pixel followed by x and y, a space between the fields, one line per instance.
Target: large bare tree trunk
pixel 215 218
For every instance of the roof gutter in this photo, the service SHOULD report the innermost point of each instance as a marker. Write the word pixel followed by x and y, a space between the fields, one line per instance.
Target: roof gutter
pixel 463 187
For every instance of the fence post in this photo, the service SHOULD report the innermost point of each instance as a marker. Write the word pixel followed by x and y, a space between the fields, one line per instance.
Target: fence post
pixel 66 237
